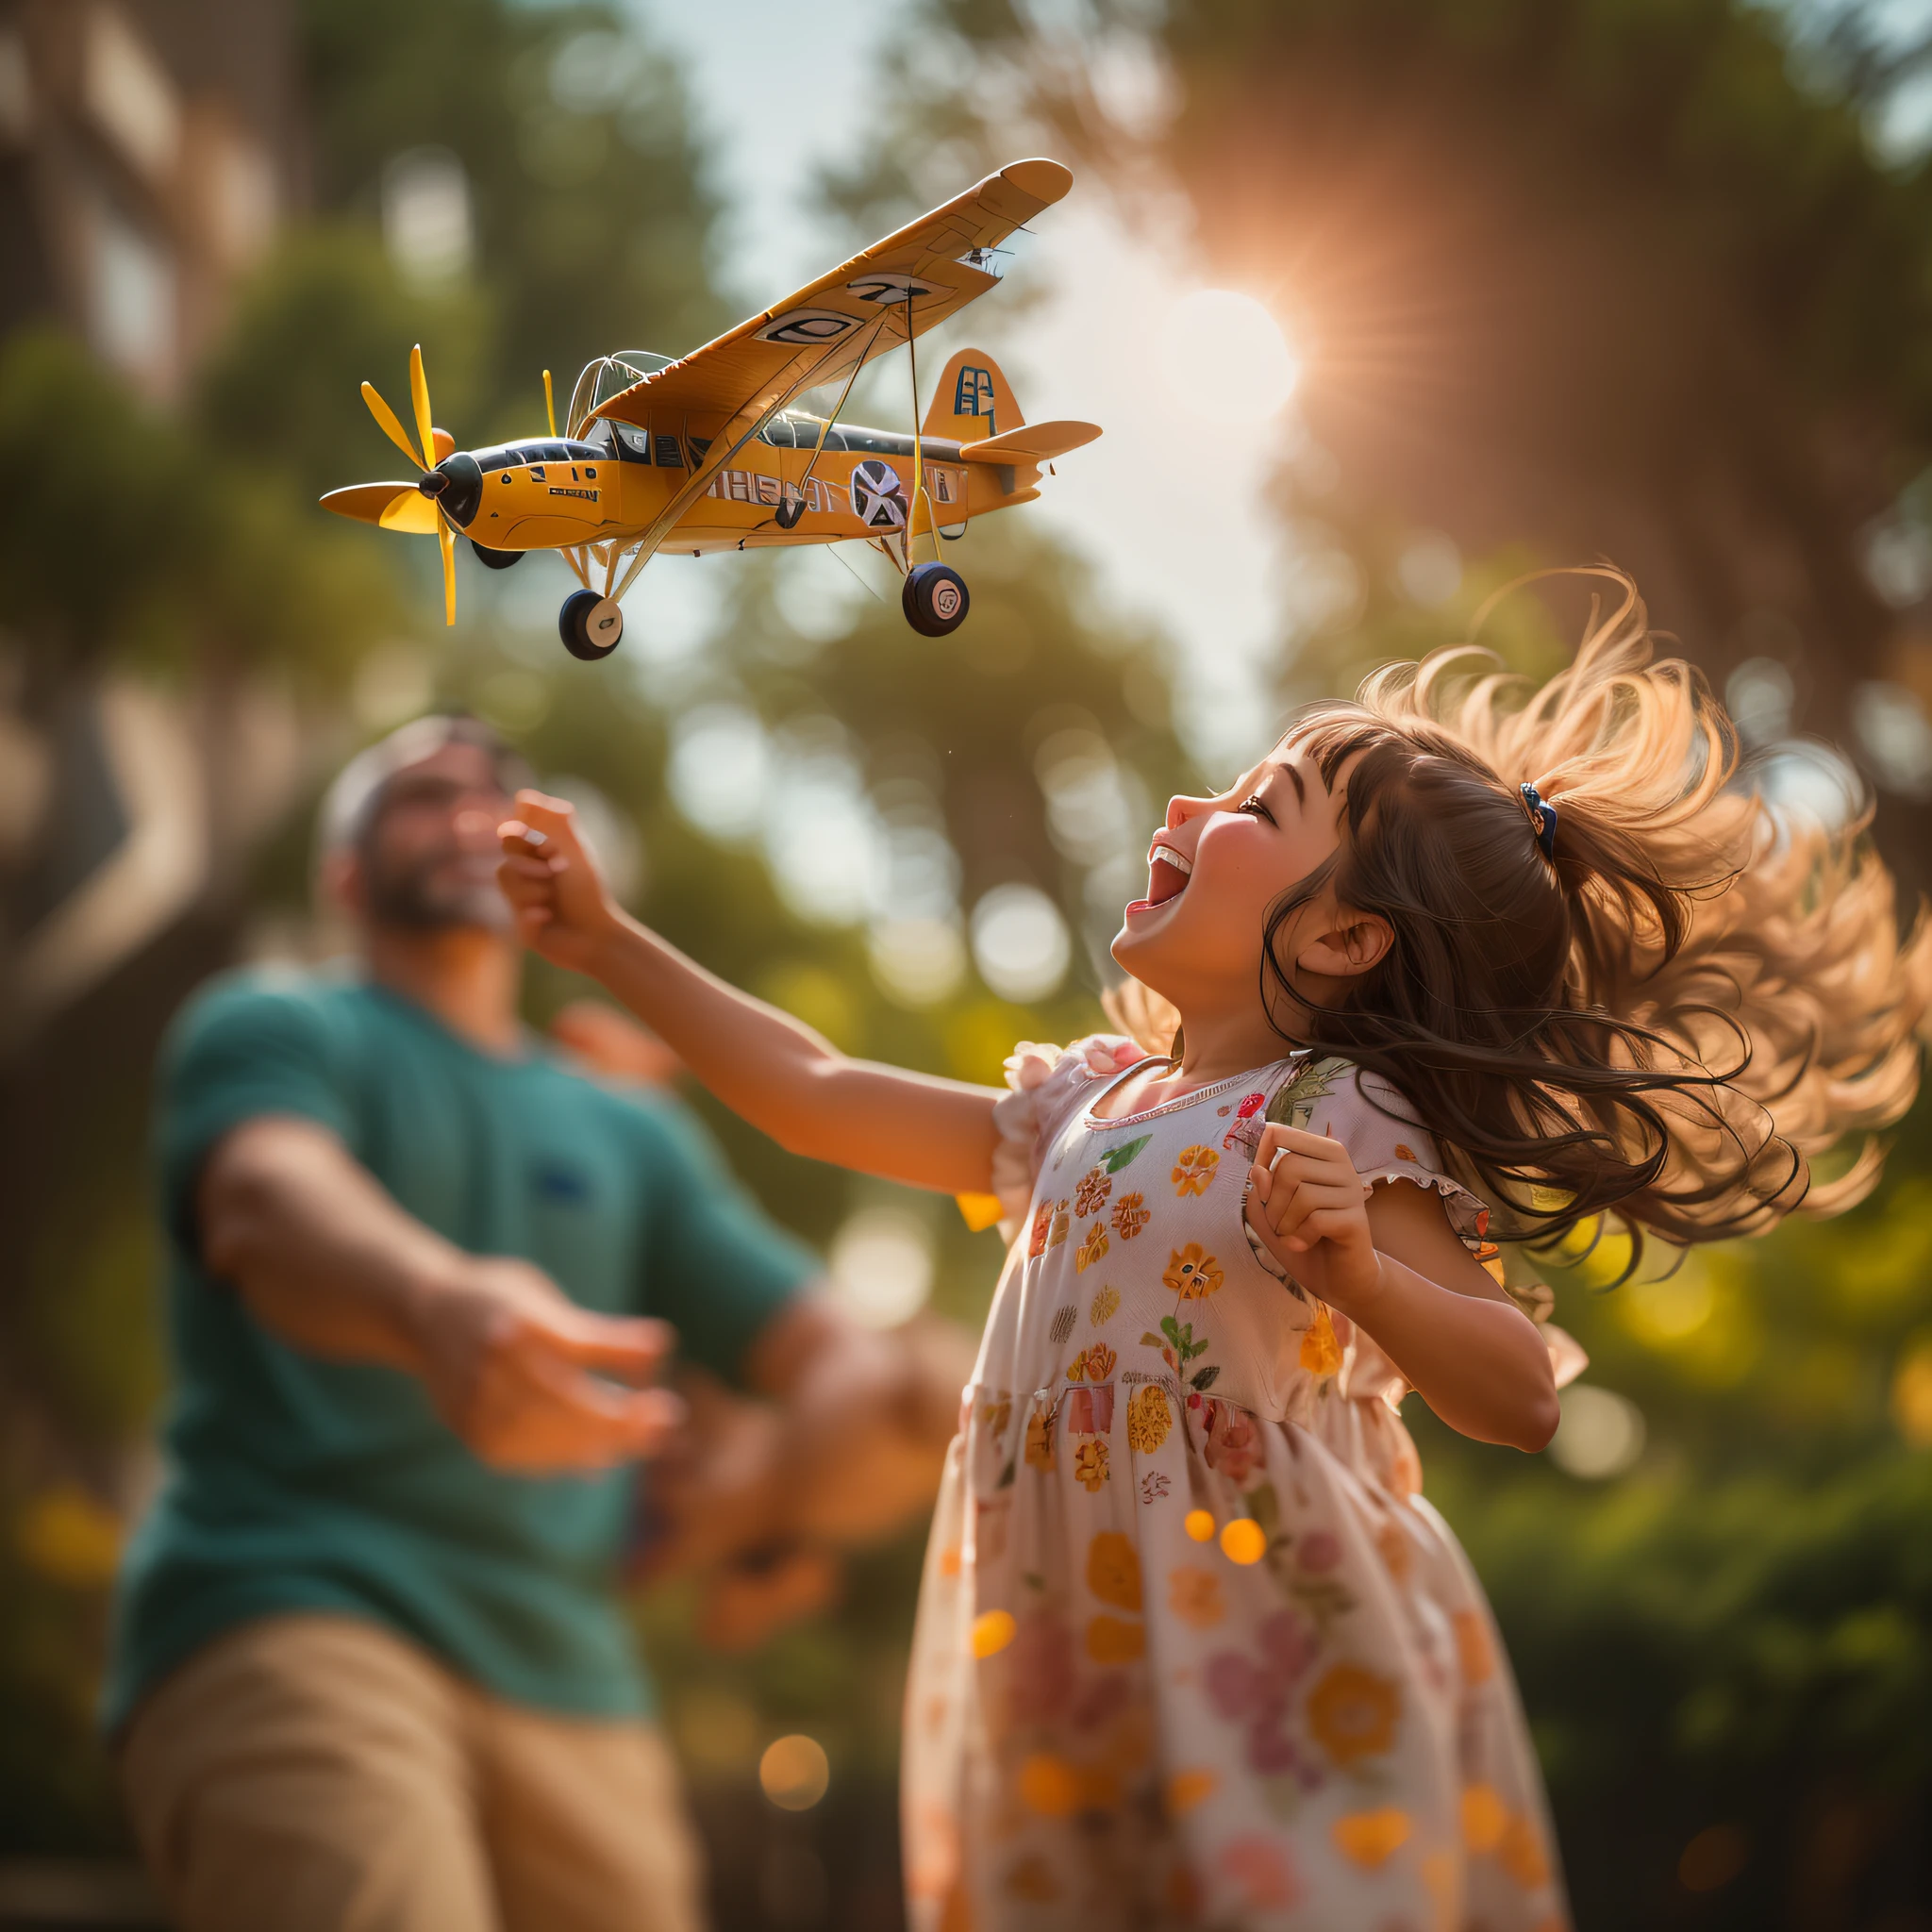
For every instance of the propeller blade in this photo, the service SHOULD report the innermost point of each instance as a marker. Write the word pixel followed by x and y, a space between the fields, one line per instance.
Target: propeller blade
pixel 549 402
pixel 446 537
pixel 419 395
pixel 415 515
pixel 386 421
pixel 377 503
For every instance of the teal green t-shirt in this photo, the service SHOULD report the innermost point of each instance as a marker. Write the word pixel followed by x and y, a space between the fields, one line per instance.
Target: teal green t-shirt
pixel 300 1484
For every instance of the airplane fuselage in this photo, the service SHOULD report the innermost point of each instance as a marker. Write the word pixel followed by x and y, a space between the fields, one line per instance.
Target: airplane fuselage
pixel 552 492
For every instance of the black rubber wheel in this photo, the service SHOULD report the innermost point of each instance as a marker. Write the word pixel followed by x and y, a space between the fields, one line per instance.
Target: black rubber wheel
pixel 787 515
pixel 590 626
pixel 934 599
pixel 495 560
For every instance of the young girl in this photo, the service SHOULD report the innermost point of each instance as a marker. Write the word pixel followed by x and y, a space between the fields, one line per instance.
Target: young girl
pixel 1191 1649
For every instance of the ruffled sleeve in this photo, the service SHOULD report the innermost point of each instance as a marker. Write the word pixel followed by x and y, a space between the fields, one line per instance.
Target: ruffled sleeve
pixel 1046 1086
pixel 1370 1117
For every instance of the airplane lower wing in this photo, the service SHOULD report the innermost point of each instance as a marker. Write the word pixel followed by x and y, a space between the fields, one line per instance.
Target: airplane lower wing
pixel 895 289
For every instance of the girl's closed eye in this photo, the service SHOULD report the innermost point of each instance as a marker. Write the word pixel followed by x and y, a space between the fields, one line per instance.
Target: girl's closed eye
pixel 1256 807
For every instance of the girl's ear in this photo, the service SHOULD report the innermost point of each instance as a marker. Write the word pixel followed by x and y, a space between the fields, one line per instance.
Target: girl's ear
pixel 1353 944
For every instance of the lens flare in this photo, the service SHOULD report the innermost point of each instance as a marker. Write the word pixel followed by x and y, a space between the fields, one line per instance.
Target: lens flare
pixel 1226 356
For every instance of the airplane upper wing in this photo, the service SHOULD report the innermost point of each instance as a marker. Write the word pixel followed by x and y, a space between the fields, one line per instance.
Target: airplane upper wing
pixel 859 311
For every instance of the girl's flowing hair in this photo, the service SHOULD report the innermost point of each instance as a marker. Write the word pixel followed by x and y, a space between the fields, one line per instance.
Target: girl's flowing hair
pixel 1699 993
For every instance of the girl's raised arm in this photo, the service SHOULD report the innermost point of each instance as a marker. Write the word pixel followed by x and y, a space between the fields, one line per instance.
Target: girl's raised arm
pixel 773 1070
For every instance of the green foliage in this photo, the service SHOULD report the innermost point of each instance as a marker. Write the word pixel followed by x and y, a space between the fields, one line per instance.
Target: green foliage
pixel 326 315
pixel 592 221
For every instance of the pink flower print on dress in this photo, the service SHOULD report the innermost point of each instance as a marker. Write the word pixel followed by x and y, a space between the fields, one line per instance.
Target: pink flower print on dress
pixel 1260 1868
pixel 1243 1113
pixel 1230 1447
pixel 1321 1550
pixel 1256 1691
pixel 1040 1668
pixel 1089 1411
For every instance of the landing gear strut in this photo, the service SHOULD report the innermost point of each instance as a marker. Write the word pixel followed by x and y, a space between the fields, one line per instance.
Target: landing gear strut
pixel 590 626
pixel 934 599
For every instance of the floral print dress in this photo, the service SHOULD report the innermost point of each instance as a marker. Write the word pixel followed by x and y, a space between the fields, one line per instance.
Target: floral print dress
pixel 1191 1649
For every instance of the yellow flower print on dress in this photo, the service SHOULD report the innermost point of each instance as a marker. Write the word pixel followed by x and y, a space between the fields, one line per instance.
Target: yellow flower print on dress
pixel 1040 1437
pixel 1130 1216
pixel 1089 1465
pixel 1100 1362
pixel 1193 1595
pixel 1521 1854
pixel 1106 1302
pixel 1193 1170
pixel 1114 1640
pixel 1091 1249
pixel 1372 1838
pixel 1062 1223
pixel 1113 1571
pixel 1352 1713
pixel 1191 1274
pixel 1090 1197
pixel 1148 1419
pixel 1321 1351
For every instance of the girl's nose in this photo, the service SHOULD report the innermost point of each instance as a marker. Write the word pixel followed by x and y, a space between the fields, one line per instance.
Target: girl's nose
pixel 1179 810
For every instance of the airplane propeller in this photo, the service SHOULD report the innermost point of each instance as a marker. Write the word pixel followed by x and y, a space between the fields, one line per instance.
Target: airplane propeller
pixel 410 507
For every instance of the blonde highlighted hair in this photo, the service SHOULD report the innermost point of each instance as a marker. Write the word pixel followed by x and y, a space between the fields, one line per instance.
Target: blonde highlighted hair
pixel 1693 997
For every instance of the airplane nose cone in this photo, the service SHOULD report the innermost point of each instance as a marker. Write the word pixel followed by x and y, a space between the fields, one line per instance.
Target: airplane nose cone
pixel 457 484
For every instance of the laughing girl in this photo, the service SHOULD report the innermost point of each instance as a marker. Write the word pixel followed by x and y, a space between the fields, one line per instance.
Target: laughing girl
pixel 1455 963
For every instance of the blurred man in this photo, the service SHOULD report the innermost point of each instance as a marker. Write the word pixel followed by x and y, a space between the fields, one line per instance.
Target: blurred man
pixel 369 1667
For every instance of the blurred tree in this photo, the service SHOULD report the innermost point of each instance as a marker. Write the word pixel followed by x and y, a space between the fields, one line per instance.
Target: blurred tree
pixel 1581 276
pixel 590 220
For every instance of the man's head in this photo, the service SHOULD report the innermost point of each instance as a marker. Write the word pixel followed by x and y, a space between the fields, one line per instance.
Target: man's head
pixel 407 839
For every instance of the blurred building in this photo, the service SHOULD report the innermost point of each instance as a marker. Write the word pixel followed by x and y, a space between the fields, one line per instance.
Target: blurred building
pixel 149 150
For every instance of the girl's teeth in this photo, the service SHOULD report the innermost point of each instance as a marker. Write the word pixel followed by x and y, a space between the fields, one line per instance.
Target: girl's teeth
pixel 1180 862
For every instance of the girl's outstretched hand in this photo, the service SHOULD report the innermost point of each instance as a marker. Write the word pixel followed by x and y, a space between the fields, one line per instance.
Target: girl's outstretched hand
pixel 1310 1208
pixel 553 884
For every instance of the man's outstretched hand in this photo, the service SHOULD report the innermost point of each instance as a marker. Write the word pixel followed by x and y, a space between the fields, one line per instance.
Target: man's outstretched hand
pixel 534 1383
pixel 322 1255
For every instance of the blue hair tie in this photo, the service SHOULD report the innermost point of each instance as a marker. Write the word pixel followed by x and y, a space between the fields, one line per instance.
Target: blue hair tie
pixel 1543 818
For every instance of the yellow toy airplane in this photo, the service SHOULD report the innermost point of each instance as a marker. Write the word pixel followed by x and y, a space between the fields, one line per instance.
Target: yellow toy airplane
pixel 708 454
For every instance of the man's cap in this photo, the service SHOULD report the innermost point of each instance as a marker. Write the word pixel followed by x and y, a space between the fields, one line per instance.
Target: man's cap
pixel 351 805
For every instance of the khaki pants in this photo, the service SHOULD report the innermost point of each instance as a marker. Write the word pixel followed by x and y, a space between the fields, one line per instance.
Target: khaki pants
pixel 316 1774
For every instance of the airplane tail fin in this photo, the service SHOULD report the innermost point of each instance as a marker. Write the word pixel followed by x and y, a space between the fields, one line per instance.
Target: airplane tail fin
pixel 974 400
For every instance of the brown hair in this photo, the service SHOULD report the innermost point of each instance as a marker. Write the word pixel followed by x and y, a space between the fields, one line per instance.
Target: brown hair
pixel 1670 1016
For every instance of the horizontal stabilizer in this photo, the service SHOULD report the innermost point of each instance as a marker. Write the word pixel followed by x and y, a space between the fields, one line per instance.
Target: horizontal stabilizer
pixel 1036 443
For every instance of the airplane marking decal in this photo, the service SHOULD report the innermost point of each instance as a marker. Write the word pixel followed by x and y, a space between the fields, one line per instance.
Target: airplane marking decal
pixel 973 395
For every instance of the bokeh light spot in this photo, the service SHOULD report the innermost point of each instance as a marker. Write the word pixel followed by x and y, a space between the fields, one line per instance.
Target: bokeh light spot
pixel 1199 1523
pixel 794 1773
pixel 1601 1434
pixel 992 1630
pixel 1243 1541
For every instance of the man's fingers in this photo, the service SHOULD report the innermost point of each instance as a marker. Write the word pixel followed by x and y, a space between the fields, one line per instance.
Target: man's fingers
pixel 634 1347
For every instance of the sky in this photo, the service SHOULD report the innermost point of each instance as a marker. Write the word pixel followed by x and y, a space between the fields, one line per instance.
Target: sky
pixel 1203 564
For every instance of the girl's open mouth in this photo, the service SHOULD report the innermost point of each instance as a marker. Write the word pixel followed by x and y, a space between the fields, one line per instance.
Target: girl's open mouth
pixel 1167 871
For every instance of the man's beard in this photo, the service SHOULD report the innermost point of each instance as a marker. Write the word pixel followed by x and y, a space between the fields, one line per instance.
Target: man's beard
pixel 412 898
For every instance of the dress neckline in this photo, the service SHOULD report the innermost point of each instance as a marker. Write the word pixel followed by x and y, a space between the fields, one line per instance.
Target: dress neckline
pixel 1090 1119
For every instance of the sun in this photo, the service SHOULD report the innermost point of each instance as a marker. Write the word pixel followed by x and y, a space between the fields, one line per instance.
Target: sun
pixel 1226 356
